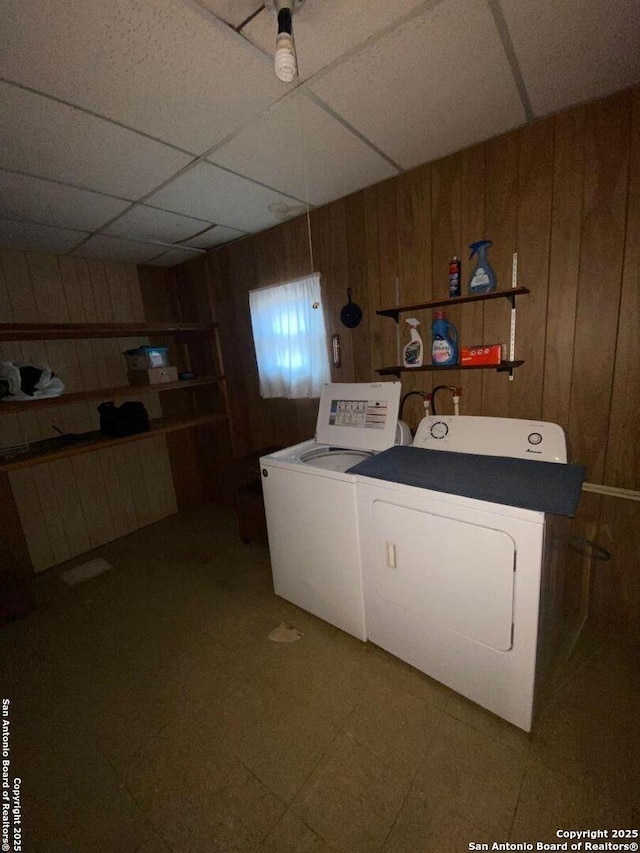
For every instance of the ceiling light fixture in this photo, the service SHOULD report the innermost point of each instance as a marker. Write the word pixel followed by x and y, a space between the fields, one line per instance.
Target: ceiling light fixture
pixel 286 64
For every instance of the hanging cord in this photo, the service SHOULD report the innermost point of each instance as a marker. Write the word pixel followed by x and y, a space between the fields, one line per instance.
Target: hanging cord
pixel 306 182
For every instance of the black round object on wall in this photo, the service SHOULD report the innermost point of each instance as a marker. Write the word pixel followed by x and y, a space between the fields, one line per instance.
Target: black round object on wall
pixel 351 314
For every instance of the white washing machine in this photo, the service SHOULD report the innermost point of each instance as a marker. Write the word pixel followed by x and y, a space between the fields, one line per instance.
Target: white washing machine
pixel 453 584
pixel 310 502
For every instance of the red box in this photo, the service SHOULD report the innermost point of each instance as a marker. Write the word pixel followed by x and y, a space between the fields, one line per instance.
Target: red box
pixel 482 354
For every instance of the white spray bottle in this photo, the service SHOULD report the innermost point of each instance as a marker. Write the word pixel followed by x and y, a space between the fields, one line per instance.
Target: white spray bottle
pixel 413 351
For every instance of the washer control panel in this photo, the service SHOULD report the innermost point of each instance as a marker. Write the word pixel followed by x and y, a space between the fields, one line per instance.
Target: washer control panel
pixel 511 437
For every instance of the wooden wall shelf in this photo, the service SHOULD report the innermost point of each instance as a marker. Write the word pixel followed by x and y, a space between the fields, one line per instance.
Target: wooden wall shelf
pixel 13 408
pixel 503 367
pixel 52 449
pixel 456 300
pixel 64 331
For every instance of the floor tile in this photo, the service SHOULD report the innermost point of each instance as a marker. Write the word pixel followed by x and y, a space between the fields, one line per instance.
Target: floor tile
pixel 428 830
pixel 472 775
pixel 291 835
pixel 352 798
pixel 550 800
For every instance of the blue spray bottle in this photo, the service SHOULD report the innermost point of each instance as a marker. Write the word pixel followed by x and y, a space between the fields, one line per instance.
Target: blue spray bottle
pixel 444 347
pixel 483 277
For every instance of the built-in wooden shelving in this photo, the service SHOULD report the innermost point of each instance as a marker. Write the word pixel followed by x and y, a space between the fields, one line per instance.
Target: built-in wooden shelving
pixel 63 331
pixel 14 407
pixel 59 448
pixel 510 294
pixel 503 367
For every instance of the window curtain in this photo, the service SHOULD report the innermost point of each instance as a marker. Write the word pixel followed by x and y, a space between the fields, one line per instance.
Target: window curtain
pixel 290 339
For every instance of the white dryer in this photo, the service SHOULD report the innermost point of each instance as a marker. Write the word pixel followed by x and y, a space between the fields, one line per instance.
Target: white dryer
pixel 310 502
pixel 453 584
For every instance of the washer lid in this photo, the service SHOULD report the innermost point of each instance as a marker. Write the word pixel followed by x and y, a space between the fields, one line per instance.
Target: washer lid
pixel 360 415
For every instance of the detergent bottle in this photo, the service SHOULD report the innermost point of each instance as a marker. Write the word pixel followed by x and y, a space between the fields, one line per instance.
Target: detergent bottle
pixel 413 351
pixel 483 277
pixel 444 349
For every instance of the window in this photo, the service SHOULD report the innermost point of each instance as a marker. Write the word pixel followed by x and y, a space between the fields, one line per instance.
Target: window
pixel 290 338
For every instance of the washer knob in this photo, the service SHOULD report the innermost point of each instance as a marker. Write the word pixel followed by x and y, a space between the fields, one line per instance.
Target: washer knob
pixel 439 429
pixel 534 438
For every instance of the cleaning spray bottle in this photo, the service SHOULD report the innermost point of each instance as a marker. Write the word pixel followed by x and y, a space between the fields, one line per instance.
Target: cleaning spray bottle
pixel 444 349
pixel 483 278
pixel 413 351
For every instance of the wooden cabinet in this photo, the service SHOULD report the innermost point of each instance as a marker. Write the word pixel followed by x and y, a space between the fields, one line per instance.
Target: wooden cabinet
pixel 504 366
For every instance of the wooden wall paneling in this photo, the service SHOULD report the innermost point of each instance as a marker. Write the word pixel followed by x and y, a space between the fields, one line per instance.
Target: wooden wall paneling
pixel 30 426
pixel 78 417
pixel 72 289
pixel 10 431
pixel 32 518
pixel 374 321
pixel 603 239
pixel 579 580
pixel 237 345
pixel 564 264
pixel 331 259
pixel 617 583
pixel 48 290
pixel 150 451
pixel 622 466
pixel 119 293
pixel 156 294
pixel 471 329
pixel 363 370
pixel 52 514
pixel 135 295
pixel 446 190
pixel 501 213
pixel 126 486
pixel 69 502
pixel 101 295
pixel 15 558
pixel 101 379
pixel 86 364
pixel 389 280
pixel 167 495
pixel 95 504
pixel 106 459
pixel 535 188
pixel 85 287
pixel 6 311
pixel 186 465
pixel 63 360
pixel 18 282
pixel 414 272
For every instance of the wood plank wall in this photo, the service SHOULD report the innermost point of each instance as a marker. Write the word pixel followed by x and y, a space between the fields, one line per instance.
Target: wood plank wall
pixel 564 193
pixel 72 505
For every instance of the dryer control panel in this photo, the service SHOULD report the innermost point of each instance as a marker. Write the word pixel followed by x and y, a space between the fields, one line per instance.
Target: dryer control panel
pixel 511 437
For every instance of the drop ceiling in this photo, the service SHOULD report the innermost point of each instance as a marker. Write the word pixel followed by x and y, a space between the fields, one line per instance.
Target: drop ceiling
pixel 152 130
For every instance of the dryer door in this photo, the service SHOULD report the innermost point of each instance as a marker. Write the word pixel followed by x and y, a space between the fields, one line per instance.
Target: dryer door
pixel 458 574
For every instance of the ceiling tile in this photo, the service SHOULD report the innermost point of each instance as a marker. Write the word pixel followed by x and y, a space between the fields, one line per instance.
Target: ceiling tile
pixel 167 68
pixel 234 12
pixel 42 238
pixel 431 87
pixel 172 257
pixel 274 150
pixel 211 193
pixel 37 200
pixel 149 223
pixel 572 52
pixel 325 31
pixel 113 249
pixel 218 235
pixel 46 138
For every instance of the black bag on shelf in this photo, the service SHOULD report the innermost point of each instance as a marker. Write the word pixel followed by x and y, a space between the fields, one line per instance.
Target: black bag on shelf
pixel 127 419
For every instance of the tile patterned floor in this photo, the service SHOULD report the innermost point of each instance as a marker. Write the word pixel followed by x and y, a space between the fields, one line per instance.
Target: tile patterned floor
pixel 151 713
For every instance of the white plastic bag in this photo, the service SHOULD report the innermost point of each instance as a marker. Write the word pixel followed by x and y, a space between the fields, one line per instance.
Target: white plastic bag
pixel 49 385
